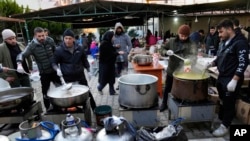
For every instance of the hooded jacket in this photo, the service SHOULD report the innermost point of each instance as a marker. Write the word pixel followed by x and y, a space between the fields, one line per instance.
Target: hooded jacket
pixel 232 59
pixel 123 40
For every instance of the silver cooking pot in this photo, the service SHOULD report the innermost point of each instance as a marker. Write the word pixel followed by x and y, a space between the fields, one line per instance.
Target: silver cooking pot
pixel 16 97
pixel 75 96
pixel 138 90
pixel 143 60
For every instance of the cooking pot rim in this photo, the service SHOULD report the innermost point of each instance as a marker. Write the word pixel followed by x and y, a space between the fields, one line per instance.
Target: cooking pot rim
pixel 51 93
pixel 142 83
pixel 206 76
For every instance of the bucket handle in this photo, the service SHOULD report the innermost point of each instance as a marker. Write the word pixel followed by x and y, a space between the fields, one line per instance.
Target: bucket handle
pixel 138 89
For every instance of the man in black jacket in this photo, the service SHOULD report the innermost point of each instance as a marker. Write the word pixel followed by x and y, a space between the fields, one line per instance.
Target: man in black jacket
pixel 232 61
pixel 72 60
pixel 41 48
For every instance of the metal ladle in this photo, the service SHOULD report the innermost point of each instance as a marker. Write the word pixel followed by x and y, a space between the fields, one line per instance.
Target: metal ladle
pixel 17 71
pixel 186 61
pixel 66 86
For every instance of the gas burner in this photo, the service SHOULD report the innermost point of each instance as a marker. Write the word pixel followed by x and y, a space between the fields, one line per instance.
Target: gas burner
pixel 192 103
pixel 57 114
pixel 129 108
pixel 58 110
pixel 18 115
pixel 17 110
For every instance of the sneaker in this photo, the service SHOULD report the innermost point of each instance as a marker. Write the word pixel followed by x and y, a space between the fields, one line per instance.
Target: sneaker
pixel 117 88
pixel 163 107
pixel 114 93
pixel 99 90
pixel 221 131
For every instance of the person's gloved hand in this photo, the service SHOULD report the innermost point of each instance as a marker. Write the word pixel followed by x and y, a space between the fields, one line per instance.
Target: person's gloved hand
pixel 59 72
pixel 208 65
pixel 170 52
pixel 20 68
pixel 232 85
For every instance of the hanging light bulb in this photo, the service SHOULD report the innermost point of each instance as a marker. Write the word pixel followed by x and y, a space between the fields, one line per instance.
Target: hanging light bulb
pixel 196 19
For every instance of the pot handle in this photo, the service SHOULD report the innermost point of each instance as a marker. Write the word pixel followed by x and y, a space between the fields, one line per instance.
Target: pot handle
pixel 138 89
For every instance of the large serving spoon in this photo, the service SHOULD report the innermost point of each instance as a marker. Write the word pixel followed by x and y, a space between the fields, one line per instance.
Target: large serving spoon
pixel 186 61
pixel 66 86
pixel 17 71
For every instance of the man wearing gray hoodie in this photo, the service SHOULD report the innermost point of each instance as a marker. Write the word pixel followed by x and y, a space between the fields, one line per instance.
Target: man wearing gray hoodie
pixel 121 42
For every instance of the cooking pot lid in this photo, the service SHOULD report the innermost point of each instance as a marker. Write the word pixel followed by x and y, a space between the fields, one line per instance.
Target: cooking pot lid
pixel 190 75
pixel 14 93
pixel 76 90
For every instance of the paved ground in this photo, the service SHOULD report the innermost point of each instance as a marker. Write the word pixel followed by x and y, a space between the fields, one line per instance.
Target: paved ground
pixel 194 131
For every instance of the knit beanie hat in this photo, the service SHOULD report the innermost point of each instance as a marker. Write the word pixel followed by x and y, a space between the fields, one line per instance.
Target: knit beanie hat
pixel 8 33
pixel 68 32
pixel 184 30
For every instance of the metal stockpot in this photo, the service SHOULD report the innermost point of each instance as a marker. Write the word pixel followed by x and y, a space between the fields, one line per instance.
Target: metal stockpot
pixel 75 96
pixel 16 97
pixel 138 90
pixel 143 60
pixel 190 87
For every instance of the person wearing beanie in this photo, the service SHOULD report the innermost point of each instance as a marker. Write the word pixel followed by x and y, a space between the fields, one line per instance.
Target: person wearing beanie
pixel 72 60
pixel 42 49
pixel 9 50
pixel 182 46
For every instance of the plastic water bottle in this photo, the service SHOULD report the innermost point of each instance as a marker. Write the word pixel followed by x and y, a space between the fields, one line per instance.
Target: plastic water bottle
pixel 70 121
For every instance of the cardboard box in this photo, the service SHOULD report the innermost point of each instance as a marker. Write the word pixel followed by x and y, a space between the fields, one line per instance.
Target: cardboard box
pixel 243 111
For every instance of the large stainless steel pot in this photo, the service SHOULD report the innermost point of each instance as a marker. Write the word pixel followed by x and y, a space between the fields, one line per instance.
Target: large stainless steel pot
pixel 143 60
pixel 16 97
pixel 138 90
pixel 190 87
pixel 75 96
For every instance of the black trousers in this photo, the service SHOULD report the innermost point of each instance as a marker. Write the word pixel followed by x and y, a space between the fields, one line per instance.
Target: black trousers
pixel 168 88
pixel 227 108
pixel 46 79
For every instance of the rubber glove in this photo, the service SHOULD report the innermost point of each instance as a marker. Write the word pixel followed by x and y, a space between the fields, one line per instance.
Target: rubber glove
pixel 59 72
pixel 232 85
pixel 208 65
pixel 170 53
pixel 20 68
